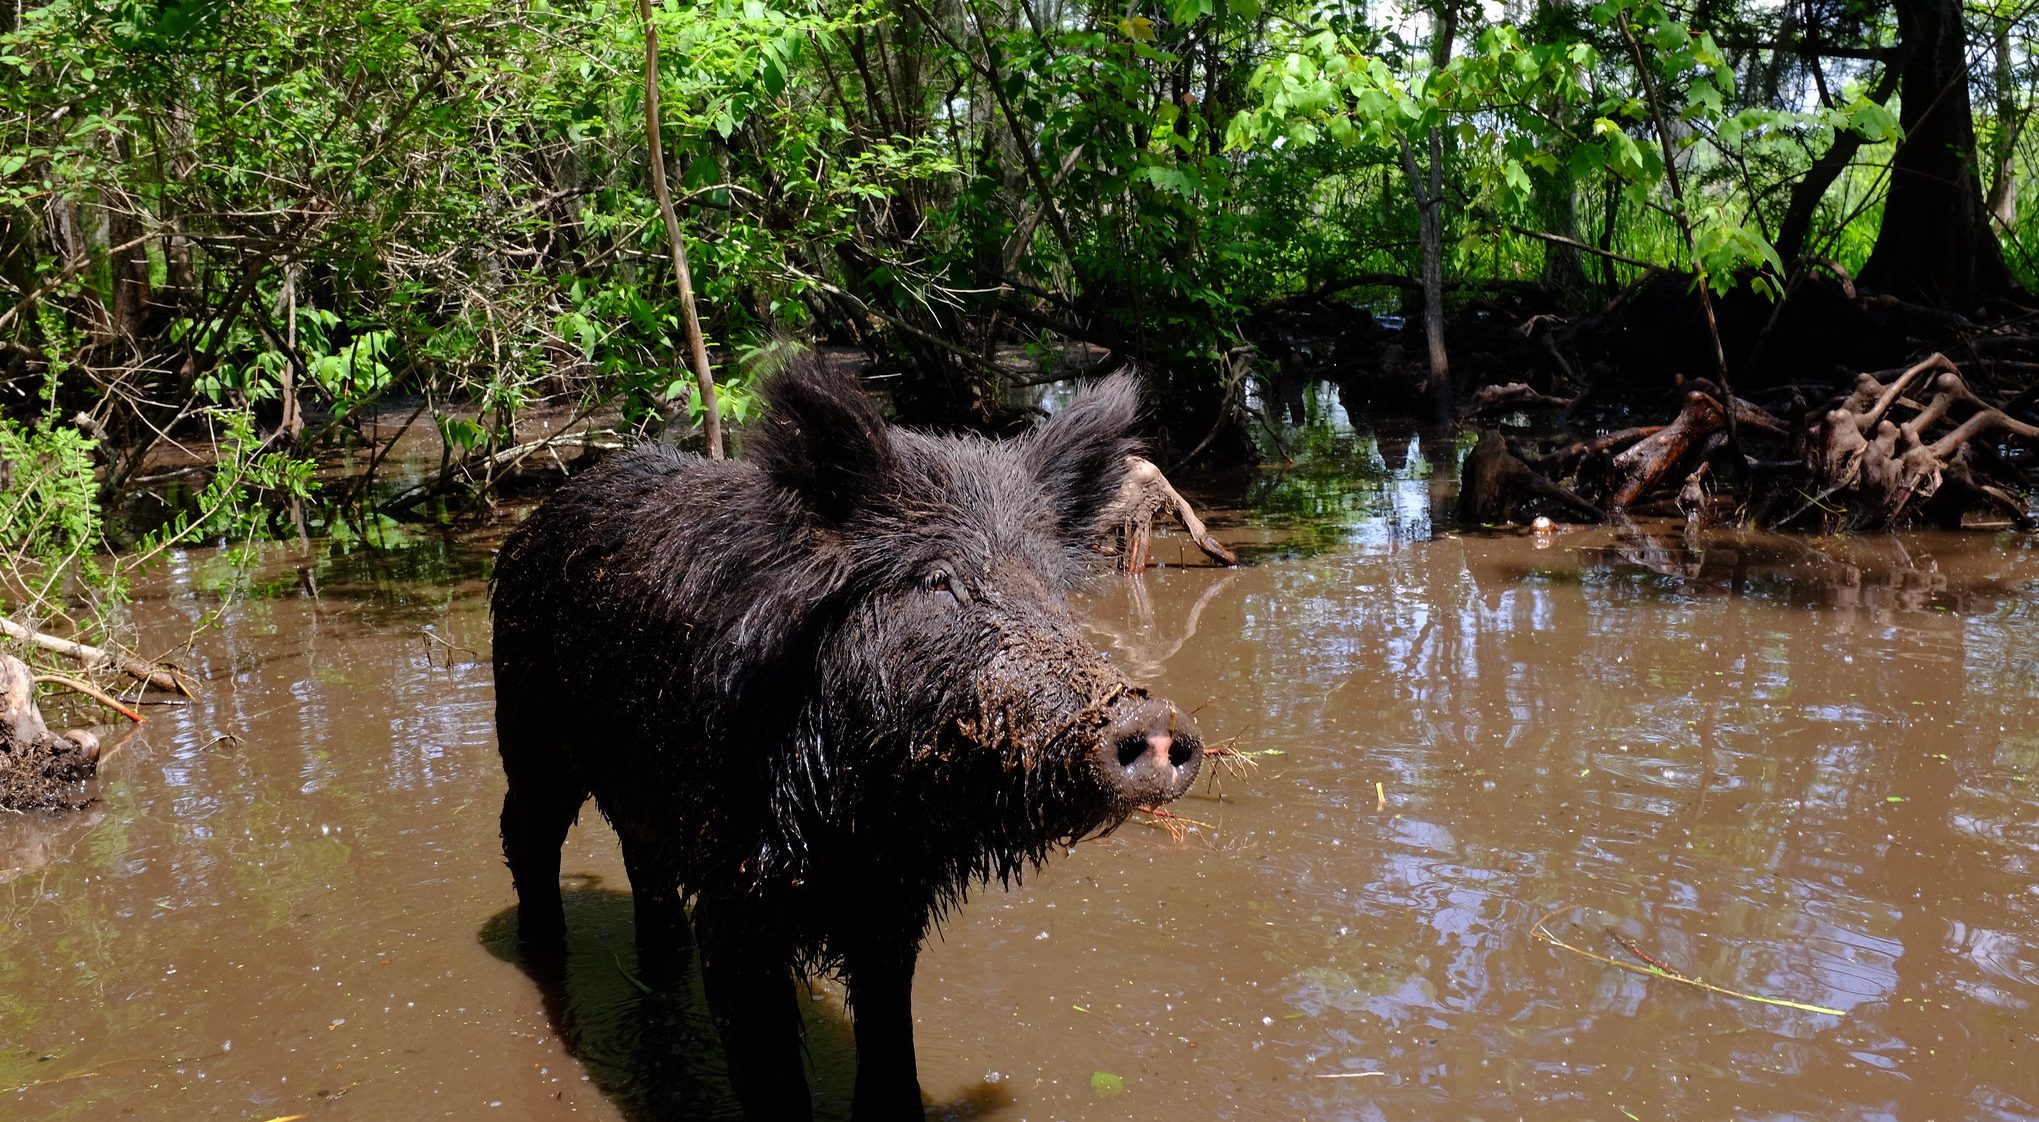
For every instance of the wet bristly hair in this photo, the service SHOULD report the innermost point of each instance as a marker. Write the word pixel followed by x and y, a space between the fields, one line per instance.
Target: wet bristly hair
pixel 841 670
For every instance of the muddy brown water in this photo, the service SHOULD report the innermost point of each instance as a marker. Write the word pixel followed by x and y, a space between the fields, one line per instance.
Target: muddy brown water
pixel 1805 770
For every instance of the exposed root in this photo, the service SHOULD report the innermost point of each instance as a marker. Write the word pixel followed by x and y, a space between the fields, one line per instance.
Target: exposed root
pixel 1888 472
pixel 1145 494
pixel 38 769
pixel 1903 447
pixel 1496 483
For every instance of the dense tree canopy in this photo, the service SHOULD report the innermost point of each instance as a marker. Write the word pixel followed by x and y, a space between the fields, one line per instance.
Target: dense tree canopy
pixel 258 220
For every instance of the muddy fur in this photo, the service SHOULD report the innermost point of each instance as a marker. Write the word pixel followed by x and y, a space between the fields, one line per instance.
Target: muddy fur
pixel 756 670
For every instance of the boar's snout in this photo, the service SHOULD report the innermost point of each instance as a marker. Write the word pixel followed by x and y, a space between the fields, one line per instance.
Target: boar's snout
pixel 1150 752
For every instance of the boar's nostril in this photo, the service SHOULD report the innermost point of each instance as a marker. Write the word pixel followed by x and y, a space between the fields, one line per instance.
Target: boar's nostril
pixel 1131 749
pixel 1182 751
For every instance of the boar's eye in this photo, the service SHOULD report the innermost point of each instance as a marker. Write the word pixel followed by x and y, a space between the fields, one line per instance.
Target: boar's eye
pixel 939 579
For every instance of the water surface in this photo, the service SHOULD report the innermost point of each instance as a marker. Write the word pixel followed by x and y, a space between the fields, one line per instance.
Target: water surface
pixel 1807 770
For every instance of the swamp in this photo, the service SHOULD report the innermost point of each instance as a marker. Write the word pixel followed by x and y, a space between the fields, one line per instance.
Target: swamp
pixel 1579 537
pixel 1798 769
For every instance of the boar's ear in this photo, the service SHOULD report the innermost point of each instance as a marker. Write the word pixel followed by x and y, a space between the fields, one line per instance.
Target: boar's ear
pixel 823 438
pixel 1079 456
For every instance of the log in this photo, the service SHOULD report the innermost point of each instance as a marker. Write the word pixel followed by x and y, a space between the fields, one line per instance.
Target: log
pixel 1647 461
pixel 96 658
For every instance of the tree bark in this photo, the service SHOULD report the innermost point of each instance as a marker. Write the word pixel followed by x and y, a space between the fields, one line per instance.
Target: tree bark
pixel 1935 245
pixel 1796 228
pixel 2010 123
pixel 1429 195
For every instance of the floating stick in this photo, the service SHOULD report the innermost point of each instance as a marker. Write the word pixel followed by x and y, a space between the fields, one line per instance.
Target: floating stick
pixel 1658 971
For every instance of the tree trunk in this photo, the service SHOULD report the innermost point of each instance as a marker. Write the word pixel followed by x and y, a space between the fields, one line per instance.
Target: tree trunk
pixel 291 425
pixel 2003 188
pixel 1555 195
pixel 1796 228
pixel 1428 192
pixel 129 264
pixel 1935 245
pixel 697 349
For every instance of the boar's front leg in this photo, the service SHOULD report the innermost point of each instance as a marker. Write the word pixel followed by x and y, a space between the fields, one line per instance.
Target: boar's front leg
pixel 748 977
pixel 879 972
pixel 538 810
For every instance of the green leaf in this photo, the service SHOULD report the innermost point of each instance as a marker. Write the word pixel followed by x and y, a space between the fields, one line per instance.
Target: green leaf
pixel 1106 1084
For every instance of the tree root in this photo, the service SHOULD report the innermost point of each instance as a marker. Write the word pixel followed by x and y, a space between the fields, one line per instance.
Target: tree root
pixel 1902 447
pixel 1884 472
pixel 38 769
pixel 1495 483
pixel 1145 494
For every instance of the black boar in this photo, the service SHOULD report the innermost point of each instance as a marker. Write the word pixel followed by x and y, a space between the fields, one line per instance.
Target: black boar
pixel 820 694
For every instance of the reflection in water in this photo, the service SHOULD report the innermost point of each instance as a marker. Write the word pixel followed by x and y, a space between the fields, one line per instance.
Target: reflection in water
pixel 1800 768
pixel 1143 644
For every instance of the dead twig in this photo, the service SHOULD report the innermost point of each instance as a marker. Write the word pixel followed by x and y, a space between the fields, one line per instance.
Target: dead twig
pixel 1630 946
pixel 91 691
pixel 434 642
pixel 1176 824
pixel 1657 971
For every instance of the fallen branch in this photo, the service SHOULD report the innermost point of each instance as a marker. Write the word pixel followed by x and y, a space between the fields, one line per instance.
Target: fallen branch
pixel 505 459
pixel 1512 395
pixel 94 658
pixel 1658 971
pixel 91 691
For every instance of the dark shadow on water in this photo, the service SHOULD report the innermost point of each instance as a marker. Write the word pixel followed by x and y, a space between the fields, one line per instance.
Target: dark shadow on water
pixel 657 1055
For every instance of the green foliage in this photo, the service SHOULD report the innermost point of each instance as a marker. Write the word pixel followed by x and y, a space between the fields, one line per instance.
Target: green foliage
pixel 207 206
pixel 49 503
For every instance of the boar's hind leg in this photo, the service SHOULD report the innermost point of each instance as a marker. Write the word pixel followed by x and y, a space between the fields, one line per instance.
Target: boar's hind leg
pixel 663 936
pixel 748 976
pixel 880 977
pixel 537 813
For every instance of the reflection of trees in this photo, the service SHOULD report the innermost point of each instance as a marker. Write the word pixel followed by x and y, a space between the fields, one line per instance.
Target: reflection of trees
pixel 1699 742
pixel 1341 486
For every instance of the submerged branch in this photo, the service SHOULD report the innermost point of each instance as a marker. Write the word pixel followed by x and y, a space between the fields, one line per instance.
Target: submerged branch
pixel 89 690
pixel 1659 971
